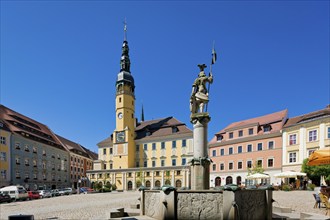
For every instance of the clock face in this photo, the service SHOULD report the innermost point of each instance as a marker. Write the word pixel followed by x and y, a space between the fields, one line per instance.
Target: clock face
pixel 120 136
pixel 120 115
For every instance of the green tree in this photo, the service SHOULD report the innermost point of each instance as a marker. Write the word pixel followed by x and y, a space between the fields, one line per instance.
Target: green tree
pixel 315 172
pixel 255 169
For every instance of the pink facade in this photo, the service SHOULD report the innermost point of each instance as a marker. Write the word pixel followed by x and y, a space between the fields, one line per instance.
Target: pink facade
pixel 247 144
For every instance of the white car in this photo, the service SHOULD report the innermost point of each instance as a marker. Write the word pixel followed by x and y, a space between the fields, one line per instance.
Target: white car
pixel 45 193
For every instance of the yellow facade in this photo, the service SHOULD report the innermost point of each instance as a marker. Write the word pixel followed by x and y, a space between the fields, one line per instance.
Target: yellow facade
pixel 151 153
pixel 301 138
pixel 4 157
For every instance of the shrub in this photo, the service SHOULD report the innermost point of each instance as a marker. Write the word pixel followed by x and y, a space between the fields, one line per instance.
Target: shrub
pixel 286 187
pixel 114 187
pixel 311 186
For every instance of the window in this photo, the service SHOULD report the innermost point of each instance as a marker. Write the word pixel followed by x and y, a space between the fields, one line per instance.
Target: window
pixel 183 162
pixel 239 149
pixel 137 164
pixel 312 135
pixel 231 165
pixel 230 150
pixel 145 146
pixel 104 167
pixel 173 144
pixel 153 163
pixel 2 140
pixel 328 132
pixel 26 148
pixel 111 151
pixel 270 162
pixel 27 163
pixel 240 133
pixel 34 150
pixel 145 163
pixel 250 131
pixel 292 139
pixel 219 137
pixel 249 164
pixel 17 146
pixel 18 160
pixel 292 157
pixel 267 128
pixel 249 148
pixel 178 172
pixel 222 166
pixel 18 175
pixel 231 135
pixel 162 163
pixel 222 152
pixel 214 167
pixel 240 165
pixel 162 145
pixel 104 151
pixel 137 147
pixel 214 153
pixel 3 174
pixel 3 156
pixel 259 163
pixel 184 143
pixel 259 146
pixel 153 146
pixel 271 145
pixel 310 152
pixel 173 162
pixel 175 129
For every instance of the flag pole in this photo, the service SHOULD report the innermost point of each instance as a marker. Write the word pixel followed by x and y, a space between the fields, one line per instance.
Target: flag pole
pixel 212 62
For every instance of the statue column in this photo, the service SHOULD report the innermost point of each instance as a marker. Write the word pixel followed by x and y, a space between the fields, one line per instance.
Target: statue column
pixel 200 164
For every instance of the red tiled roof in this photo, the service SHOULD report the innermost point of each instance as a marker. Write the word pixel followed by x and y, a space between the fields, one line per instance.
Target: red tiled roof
pixel 262 120
pixel 308 116
pixel 28 127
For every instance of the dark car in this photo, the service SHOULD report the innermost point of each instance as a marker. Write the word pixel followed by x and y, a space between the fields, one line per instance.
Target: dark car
pixel 33 195
pixel 4 198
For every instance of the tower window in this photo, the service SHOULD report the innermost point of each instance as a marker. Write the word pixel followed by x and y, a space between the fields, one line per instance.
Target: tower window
pixel 119 99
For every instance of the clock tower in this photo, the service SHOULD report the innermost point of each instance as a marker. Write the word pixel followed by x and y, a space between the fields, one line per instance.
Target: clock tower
pixel 123 136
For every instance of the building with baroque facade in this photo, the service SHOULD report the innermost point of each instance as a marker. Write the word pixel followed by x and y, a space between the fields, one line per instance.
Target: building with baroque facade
pixel 149 153
pixel 34 157
pixel 245 145
pixel 304 134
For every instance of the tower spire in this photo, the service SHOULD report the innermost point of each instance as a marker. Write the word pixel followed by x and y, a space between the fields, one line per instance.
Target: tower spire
pixel 142 114
pixel 125 30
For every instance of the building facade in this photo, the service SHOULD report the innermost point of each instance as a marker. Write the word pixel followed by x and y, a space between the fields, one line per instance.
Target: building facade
pixel 5 137
pixel 31 155
pixel 304 134
pixel 149 153
pixel 81 160
pixel 246 145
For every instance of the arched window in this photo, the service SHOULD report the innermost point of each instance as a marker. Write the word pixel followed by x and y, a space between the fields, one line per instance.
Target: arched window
pixel 167 182
pixel 239 180
pixel 229 180
pixel 157 183
pixel 129 185
pixel 148 184
pixel 178 184
pixel 217 181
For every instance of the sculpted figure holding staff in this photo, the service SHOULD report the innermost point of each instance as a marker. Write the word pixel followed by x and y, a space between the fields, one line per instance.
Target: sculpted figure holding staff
pixel 199 95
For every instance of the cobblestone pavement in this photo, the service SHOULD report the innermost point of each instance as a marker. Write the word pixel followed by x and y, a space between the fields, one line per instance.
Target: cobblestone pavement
pixel 98 206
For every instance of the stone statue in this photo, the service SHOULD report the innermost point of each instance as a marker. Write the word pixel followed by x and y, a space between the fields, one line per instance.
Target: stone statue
pixel 199 95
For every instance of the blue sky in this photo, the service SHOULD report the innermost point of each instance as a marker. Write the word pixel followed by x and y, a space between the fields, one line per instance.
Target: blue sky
pixel 60 59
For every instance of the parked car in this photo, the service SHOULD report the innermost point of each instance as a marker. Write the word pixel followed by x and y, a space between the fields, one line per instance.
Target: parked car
pixel 15 192
pixel 65 191
pixel 83 191
pixel 33 195
pixel 88 190
pixel 4 197
pixel 45 193
pixel 55 192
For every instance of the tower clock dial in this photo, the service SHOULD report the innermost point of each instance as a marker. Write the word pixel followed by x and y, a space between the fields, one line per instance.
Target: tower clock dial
pixel 120 115
pixel 120 136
